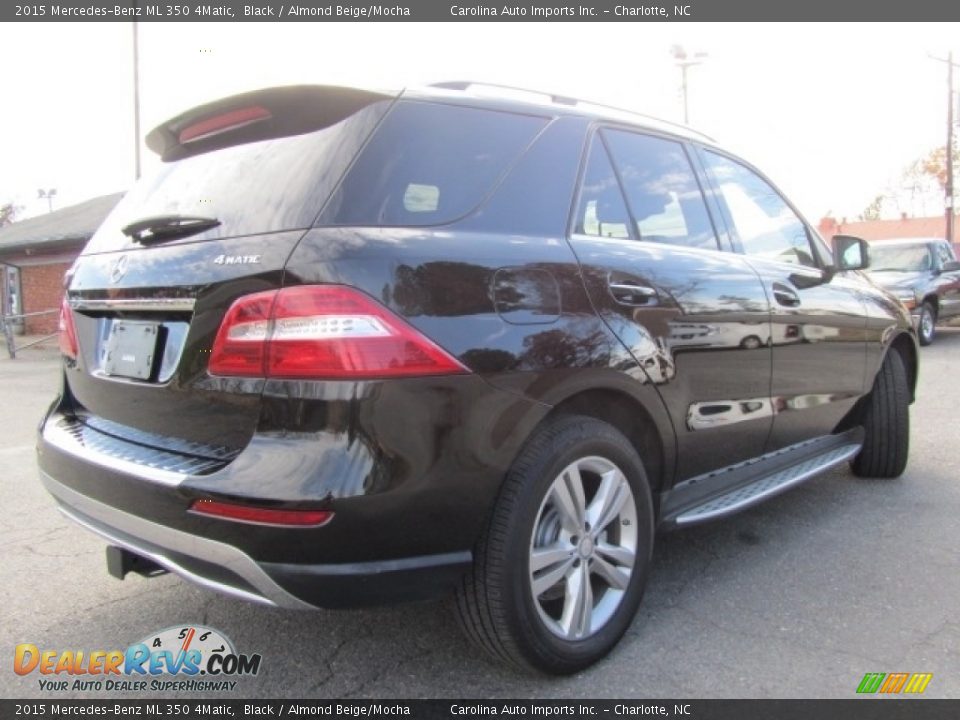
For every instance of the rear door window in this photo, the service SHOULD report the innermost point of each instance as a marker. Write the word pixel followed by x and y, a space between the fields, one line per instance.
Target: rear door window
pixel 662 191
pixel 430 164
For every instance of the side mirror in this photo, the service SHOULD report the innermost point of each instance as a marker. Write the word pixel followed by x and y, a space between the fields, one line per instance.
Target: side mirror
pixel 951 266
pixel 850 253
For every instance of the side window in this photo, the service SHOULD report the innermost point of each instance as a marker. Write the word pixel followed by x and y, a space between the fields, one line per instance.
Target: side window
pixel 764 222
pixel 429 164
pixel 945 252
pixel 661 189
pixel 602 211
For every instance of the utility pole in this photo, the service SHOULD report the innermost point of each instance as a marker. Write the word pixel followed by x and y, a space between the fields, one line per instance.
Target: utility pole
pixel 136 102
pixel 948 188
pixel 684 61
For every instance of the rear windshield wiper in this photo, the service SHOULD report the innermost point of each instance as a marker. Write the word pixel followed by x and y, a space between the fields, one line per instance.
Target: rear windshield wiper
pixel 167 227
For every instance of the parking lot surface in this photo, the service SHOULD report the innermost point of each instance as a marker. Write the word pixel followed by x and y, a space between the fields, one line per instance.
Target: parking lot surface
pixel 798 597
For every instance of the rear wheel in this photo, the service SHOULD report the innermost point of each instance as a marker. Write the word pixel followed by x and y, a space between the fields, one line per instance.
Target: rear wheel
pixel 561 567
pixel 928 324
pixel 886 422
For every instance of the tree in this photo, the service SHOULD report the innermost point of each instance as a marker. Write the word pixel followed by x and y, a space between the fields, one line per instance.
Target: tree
pixel 872 211
pixel 918 191
pixel 8 214
pixel 933 165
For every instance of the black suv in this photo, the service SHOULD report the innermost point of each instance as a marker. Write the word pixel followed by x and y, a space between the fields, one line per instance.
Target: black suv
pixel 924 274
pixel 347 347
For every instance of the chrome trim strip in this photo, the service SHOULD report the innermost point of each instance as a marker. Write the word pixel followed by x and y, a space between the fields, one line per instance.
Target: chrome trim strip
pixel 65 442
pixel 123 529
pixel 829 459
pixel 163 561
pixel 135 304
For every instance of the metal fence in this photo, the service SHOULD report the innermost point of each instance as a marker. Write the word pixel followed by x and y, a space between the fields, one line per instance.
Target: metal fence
pixel 10 320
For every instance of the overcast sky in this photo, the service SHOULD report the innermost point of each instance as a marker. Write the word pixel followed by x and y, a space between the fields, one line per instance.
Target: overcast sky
pixel 832 112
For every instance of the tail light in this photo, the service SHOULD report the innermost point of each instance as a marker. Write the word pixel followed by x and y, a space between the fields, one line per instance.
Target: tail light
pixel 322 332
pixel 68 331
pixel 231 120
pixel 260 515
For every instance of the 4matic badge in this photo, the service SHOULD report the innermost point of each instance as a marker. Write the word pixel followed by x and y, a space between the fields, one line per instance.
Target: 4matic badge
pixel 190 651
pixel 237 259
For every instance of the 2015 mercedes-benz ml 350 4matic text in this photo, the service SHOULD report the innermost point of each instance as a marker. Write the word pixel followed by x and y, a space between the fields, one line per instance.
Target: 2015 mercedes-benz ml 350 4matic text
pixel 347 347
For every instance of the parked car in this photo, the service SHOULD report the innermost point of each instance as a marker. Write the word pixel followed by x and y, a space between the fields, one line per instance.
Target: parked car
pixel 349 347
pixel 924 274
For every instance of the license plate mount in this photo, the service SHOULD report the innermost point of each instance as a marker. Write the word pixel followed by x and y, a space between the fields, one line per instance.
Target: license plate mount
pixel 131 349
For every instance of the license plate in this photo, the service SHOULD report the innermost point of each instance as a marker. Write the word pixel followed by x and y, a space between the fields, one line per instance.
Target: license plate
pixel 131 349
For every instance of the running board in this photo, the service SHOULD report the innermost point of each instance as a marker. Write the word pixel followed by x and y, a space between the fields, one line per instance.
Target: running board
pixel 730 490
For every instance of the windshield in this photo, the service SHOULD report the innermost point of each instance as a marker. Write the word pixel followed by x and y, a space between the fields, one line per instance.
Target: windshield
pixel 902 258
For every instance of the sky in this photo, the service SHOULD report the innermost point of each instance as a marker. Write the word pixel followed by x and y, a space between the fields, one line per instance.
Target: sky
pixel 831 112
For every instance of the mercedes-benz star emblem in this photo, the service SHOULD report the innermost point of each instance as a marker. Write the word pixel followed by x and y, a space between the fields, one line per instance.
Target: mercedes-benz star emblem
pixel 119 269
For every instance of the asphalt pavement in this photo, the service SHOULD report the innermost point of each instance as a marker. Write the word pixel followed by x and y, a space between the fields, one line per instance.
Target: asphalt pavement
pixel 796 598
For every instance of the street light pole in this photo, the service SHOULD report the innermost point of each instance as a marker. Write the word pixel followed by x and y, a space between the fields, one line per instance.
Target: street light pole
pixel 683 82
pixel 136 102
pixel 684 61
pixel 47 195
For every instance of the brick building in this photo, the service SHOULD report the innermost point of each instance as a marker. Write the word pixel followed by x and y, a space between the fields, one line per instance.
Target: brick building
pixel 35 254
pixel 898 229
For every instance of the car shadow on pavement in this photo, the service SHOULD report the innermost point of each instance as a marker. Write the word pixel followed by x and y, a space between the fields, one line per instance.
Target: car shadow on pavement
pixel 416 650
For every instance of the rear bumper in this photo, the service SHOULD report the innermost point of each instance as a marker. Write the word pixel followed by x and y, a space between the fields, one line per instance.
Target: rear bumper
pixel 226 569
pixel 173 549
pixel 410 470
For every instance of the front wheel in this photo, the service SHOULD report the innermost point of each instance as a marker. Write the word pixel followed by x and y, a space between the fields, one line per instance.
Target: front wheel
pixel 561 567
pixel 928 324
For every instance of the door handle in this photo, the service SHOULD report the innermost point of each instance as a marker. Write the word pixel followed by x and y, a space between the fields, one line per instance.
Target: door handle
pixel 628 293
pixel 786 296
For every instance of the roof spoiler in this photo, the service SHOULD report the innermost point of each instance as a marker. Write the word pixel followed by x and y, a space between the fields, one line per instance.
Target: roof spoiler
pixel 258 115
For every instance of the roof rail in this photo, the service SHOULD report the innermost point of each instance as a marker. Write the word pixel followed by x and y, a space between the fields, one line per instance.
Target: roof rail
pixel 564 100
pixel 464 84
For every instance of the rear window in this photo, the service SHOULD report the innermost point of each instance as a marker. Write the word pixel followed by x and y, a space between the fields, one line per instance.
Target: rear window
pixel 430 164
pixel 258 187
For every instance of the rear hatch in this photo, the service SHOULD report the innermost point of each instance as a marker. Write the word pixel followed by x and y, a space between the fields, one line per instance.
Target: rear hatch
pixel 242 179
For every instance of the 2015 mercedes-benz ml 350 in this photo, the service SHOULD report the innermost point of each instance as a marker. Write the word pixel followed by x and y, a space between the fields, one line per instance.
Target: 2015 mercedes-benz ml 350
pixel 349 347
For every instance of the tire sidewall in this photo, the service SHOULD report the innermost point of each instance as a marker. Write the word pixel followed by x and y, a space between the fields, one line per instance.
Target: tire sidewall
pixel 575 441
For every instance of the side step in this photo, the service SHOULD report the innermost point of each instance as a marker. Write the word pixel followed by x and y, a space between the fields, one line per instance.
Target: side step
pixel 730 490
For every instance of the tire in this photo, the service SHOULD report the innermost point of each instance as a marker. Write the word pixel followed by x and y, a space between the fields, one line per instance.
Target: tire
pixel 927 328
pixel 520 617
pixel 886 423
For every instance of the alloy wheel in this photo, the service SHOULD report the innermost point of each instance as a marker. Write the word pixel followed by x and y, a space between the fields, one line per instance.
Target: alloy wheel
pixel 583 548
